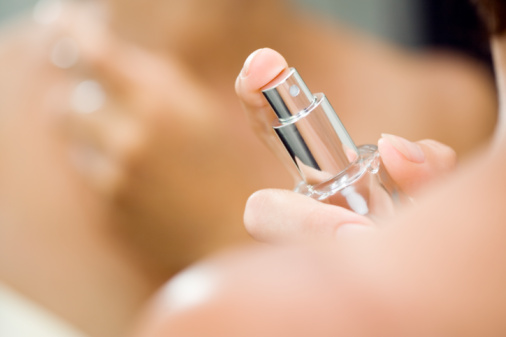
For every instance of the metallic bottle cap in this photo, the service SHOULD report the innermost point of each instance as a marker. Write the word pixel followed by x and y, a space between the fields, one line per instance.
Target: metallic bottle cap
pixel 288 95
pixel 309 128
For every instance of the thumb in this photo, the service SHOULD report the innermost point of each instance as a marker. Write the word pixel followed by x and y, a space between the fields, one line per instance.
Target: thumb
pixel 279 215
pixel 414 164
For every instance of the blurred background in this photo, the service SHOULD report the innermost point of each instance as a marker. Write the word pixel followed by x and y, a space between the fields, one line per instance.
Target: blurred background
pixel 394 19
pixel 450 24
pixel 412 23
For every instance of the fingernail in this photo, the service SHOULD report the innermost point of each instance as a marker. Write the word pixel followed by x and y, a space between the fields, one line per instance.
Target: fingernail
pixel 245 68
pixel 411 151
pixel 65 53
pixel 88 96
pixel 96 167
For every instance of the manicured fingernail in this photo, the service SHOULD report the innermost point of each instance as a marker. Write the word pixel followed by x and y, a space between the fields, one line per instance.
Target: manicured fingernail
pixel 411 151
pixel 245 68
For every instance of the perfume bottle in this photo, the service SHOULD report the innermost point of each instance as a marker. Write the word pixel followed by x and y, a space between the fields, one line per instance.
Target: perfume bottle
pixel 326 161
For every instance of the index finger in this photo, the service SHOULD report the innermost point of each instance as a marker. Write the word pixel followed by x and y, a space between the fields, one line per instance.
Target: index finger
pixel 260 68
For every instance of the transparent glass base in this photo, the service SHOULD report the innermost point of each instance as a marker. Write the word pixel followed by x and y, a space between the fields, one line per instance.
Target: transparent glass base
pixel 364 187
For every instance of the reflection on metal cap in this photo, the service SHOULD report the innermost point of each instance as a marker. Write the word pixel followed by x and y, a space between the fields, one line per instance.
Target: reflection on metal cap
pixel 309 128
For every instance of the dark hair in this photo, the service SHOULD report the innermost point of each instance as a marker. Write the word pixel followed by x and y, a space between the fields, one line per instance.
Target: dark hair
pixel 493 13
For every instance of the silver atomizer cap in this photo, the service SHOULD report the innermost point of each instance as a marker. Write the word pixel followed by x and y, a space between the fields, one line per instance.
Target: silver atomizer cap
pixel 309 129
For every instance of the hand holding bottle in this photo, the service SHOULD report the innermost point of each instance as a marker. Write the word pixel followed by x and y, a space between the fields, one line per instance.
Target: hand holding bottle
pixel 410 165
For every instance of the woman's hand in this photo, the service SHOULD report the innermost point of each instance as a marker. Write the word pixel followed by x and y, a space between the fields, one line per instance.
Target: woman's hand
pixel 179 187
pixel 154 155
pixel 279 215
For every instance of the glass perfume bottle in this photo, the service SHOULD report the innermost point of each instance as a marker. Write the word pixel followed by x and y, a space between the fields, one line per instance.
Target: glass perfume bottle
pixel 328 164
